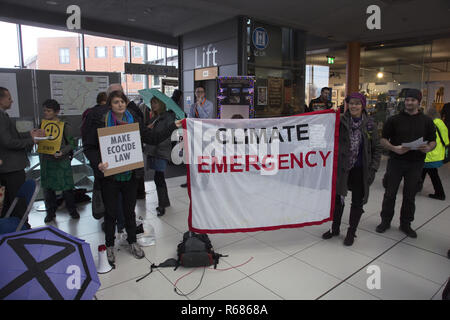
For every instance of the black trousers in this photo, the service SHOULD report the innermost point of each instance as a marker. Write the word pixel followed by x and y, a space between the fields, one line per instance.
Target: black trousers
pixel 13 181
pixel 161 189
pixel 410 172
pixel 51 204
pixel 110 192
pixel 355 183
pixel 435 180
pixel 141 187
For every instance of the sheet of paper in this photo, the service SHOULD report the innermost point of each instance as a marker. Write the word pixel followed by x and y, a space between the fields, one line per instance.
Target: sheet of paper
pixel 414 145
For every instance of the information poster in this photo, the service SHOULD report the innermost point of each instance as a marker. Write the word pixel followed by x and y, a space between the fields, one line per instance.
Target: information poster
pixel 237 92
pixel 275 92
pixel 76 93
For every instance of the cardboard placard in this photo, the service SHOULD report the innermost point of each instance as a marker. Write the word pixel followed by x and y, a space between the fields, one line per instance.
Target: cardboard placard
pixel 121 148
pixel 55 129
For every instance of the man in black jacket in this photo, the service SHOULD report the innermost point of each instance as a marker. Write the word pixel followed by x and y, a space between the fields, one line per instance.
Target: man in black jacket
pixel 13 152
pixel 404 163
pixel 321 103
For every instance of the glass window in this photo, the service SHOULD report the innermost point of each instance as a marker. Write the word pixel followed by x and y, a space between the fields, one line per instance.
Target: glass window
pixel 9 58
pixel 137 52
pixel 41 49
pixel 137 77
pixel 86 52
pixel 101 52
pixel 106 44
pixel 119 52
pixel 156 81
pixel 64 55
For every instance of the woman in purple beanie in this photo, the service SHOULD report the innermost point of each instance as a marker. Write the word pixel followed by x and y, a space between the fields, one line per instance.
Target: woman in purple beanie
pixel 358 160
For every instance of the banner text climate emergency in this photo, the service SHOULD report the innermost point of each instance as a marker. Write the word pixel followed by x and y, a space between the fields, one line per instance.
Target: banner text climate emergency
pixel 264 160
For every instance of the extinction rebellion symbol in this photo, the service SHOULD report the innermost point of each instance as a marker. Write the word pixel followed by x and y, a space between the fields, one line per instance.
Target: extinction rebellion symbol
pixel 260 38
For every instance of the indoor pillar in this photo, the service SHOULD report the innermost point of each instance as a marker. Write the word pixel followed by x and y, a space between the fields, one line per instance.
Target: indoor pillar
pixel 353 65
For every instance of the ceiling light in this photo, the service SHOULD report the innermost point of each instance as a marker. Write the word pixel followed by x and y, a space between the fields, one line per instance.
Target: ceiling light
pixel 52 3
pixel 131 19
pixel 380 75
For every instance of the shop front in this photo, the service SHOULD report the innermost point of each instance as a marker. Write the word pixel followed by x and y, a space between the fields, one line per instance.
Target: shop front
pixel 267 63
pixel 387 70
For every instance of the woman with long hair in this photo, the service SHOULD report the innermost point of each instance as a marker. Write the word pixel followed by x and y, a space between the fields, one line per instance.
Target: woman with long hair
pixel 159 155
pixel 125 183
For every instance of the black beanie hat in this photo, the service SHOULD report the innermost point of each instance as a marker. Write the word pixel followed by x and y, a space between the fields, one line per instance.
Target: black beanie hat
pixel 414 93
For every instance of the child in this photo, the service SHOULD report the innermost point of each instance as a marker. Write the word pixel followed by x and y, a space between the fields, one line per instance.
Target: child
pixel 56 170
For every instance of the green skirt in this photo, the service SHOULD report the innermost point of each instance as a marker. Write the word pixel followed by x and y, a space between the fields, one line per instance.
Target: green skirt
pixel 56 175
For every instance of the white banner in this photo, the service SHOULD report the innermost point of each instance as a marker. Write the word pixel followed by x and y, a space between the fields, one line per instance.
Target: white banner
pixel 261 174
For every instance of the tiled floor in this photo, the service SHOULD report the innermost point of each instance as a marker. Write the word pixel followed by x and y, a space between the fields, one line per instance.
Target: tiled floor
pixel 282 264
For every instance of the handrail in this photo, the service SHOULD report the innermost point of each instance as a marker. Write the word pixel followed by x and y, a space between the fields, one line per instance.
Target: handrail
pixel 39 163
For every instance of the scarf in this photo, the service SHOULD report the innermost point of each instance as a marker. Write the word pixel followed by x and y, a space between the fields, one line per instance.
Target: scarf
pixel 355 141
pixel 112 121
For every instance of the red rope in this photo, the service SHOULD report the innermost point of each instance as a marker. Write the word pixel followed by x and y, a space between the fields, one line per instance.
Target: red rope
pixel 233 267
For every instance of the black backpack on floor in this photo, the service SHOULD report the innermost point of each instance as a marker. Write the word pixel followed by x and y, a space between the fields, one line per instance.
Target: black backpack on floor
pixel 194 251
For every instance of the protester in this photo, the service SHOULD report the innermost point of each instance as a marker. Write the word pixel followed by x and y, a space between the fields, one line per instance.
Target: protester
pixel 177 97
pixel 125 183
pixel 201 109
pixel 321 103
pixel 101 101
pixel 445 115
pixel 407 126
pixel 140 116
pixel 159 155
pixel 434 159
pixel 13 150
pixel 56 169
pixel 358 161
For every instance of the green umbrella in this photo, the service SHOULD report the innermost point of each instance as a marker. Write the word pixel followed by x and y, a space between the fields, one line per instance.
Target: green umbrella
pixel 148 94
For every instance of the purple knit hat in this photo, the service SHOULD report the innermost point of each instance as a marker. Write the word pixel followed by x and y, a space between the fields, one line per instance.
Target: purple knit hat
pixel 359 96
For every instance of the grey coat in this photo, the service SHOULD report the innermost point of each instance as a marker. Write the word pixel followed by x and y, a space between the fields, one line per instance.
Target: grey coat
pixel 164 149
pixel 371 153
pixel 13 145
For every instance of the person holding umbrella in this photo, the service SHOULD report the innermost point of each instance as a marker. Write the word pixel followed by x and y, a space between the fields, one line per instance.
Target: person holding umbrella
pixel 160 154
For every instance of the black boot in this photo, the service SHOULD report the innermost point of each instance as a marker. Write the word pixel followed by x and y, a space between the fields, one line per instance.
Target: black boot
pixel 330 234
pixel 161 211
pixel 49 217
pixel 355 216
pixel 437 196
pixel 350 237
pixel 406 229
pixel 337 216
pixel 163 197
pixel 383 226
